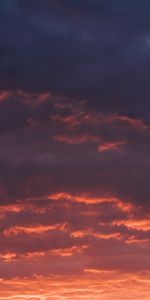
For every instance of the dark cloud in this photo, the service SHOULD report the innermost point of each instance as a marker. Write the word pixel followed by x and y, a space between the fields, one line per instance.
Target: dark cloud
pixel 101 51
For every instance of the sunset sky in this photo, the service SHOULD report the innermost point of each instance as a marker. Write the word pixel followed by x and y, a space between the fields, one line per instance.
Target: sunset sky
pixel 74 150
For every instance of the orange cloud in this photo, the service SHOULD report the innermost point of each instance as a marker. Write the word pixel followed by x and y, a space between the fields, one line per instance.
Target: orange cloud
pixel 90 232
pixel 4 95
pixel 124 206
pixel 139 224
pixel 68 251
pixel 111 146
pixel 72 140
pixel 32 256
pixel 29 98
pixel 33 229
pixel 137 123
pixel 11 208
pixel 80 198
pixel 7 257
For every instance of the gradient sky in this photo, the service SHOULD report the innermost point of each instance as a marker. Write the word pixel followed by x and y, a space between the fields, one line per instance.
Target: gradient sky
pixel 74 149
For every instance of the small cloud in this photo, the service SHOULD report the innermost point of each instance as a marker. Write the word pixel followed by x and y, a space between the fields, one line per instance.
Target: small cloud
pixel 111 146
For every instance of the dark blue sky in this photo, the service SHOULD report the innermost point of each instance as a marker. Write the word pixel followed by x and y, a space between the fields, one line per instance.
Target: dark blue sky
pixel 93 49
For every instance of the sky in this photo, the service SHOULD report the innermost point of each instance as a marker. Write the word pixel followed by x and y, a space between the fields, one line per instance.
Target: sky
pixel 74 150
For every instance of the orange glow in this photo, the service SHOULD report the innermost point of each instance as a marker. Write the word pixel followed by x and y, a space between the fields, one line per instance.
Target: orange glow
pixel 32 230
pixel 101 284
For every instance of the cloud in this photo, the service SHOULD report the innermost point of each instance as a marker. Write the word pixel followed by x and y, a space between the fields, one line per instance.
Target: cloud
pixel 71 48
pixel 111 146
pixel 74 149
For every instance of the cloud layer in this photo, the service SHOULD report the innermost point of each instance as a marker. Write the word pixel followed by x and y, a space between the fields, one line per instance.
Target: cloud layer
pixel 74 150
